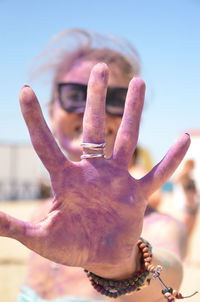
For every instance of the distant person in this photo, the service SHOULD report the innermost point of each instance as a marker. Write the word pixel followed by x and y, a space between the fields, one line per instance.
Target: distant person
pixel 97 213
pixel 185 181
pixel 44 189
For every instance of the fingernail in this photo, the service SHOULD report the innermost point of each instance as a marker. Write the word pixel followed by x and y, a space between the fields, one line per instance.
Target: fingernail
pixel 102 71
pixel 105 73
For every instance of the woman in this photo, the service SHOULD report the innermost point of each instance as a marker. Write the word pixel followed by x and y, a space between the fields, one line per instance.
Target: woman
pixel 188 194
pixel 96 216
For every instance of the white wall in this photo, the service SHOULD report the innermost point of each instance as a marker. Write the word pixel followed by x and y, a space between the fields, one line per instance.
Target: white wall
pixel 20 172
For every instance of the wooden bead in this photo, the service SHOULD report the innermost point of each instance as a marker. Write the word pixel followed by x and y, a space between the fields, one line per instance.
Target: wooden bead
pixel 179 296
pixel 145 255
pixel 144 250
pixel 148 259
pixel 111 283
pixel 167 294
pixel 102 291
pixel 174 292
pixel 164 291
pixel 151 268
pixel 142 245
pixel 99 288
pixel 107 293
pixel 146 264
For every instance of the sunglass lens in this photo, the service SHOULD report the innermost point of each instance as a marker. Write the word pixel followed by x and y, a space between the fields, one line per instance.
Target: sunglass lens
pixel 115 100
pixel 73 97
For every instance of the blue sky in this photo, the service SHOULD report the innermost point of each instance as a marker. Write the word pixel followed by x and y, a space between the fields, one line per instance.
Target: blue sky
pixel 165 33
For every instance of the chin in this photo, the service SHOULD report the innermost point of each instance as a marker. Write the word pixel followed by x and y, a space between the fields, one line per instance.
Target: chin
pixel 70 146
pixel 73 156
pixel 72 151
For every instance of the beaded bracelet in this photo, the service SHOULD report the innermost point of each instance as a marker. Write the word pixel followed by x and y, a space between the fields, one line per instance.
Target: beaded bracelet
pixel 116 288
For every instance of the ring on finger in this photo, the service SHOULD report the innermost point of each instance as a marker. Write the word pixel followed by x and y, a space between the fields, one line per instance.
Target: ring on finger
pixel 92 155
pixel 92 146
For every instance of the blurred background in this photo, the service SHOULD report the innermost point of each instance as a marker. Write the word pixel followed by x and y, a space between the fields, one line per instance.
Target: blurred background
pixel 167 36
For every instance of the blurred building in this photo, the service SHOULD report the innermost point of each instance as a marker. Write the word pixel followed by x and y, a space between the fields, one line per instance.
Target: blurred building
pixel 22 175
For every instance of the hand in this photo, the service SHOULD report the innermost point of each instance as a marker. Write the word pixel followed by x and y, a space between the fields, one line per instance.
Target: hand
pixel 98 208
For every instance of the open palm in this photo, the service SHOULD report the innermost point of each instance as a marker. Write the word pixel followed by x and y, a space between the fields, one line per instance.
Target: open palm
pixel 97 210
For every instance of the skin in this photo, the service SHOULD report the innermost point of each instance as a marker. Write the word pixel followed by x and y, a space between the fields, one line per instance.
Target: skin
pixel 51 281
pixel 99 230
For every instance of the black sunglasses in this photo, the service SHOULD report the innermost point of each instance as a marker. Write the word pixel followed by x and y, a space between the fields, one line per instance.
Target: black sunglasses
pixel 72 98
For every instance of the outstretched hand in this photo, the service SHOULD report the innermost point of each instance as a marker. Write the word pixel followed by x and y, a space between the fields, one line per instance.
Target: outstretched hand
pixel 97 210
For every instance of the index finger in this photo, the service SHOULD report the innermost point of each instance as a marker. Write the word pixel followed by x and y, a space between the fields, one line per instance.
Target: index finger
pixel 41 137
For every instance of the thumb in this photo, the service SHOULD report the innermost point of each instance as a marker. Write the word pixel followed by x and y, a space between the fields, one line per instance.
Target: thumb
pixel 13 227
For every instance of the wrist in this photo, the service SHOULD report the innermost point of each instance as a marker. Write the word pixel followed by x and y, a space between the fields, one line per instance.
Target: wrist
pixel 120 271
pixel 121 284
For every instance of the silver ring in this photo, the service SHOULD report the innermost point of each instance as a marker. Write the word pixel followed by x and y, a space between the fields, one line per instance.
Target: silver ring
pixel 92 146
pixel 92 155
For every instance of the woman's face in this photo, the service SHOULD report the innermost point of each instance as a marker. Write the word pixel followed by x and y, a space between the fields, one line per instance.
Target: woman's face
pixel 67 126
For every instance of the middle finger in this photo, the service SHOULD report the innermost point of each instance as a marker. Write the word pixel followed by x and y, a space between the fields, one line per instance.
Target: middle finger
pixel 94 116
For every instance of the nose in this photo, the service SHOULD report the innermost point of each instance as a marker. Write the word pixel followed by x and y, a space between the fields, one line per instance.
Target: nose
pixel 77 123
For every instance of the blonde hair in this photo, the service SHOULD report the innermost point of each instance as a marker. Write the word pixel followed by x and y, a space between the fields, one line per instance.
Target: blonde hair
pixel 77 44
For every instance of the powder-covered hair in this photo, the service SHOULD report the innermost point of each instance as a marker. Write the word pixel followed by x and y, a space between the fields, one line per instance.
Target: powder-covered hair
pixel 75 44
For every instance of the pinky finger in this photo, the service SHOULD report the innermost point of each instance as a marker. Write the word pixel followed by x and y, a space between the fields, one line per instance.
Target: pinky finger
pixel 166 167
